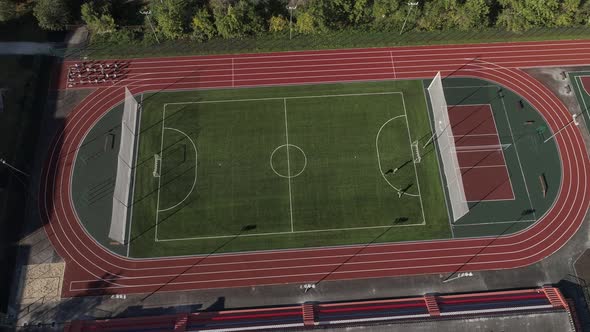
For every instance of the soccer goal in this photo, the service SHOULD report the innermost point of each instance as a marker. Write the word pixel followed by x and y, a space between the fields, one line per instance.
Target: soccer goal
pixel 447 149
pixel 125 162
pixel 416 152
pixel 157 165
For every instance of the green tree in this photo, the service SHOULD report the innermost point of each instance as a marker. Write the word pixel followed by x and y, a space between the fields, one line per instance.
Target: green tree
pixel 227 23
pixel 390 14
pixel 98 21
pixel 521 15
pixel 277 24
pixel 52 14
pixel 567 13
pixel 7 10
pixel 239 20
pixel 202 24
pixel 462 15
pixel 171 17
pixel 306 23
pixel 583 14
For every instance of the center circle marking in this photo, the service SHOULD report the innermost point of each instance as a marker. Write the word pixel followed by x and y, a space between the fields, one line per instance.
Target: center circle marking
pixel 288 176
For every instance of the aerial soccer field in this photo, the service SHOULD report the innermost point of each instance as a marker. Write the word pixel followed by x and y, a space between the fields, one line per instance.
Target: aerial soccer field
pixel 290 167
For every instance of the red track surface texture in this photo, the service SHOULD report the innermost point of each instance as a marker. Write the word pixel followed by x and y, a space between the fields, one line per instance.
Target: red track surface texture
pixel 90 269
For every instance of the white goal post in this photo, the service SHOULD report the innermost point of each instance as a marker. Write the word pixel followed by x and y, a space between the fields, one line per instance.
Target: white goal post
pixel 125 161
pixel 447 149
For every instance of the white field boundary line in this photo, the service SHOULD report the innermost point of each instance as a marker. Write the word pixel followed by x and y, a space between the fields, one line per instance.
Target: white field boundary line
pixel 413 162
pixel 160 177
pixel 290 204
pixel 526 187
pixel 288 165
pixel 582 83
pixel 139 111
pixel 294 232
pixel 549 114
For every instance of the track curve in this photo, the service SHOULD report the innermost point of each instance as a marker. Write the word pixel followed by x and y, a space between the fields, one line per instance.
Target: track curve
pixel 90 269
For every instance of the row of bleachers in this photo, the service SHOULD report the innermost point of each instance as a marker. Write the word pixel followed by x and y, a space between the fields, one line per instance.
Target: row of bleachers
pixel 356 313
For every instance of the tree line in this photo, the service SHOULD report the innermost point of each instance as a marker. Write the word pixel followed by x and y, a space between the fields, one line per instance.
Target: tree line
pixel 202 20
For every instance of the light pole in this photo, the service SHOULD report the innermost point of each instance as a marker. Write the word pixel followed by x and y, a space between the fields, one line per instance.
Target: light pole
pixel 291 8
pixel 5 163
pixel 411 5
pixel 147 14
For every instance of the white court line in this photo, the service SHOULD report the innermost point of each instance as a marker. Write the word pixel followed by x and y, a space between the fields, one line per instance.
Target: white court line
pixel 497 222
pixel 497 134
pixel 485 166
pixel 288 164
pixel 579 83
pixel 517 158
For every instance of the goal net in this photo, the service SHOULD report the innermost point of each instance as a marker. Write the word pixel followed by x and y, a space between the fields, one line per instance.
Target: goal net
pixel 121 195
pixel 447 149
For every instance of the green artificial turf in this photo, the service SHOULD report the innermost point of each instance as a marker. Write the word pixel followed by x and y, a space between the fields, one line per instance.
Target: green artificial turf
pixel 285 167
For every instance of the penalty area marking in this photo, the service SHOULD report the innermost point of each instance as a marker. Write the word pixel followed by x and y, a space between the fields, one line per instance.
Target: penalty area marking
pixel 195 177
pixel 379 157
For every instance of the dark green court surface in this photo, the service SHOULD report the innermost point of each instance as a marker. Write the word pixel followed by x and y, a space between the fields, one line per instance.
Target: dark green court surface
pixel 581 92
pixel 303 166
pixel 529 161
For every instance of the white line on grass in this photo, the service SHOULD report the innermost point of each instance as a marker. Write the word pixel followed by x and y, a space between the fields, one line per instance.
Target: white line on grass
pixel 281 98
pixel 160 177
pixel 288 165
pixel 294 232
pixel 195 178
pixel 413 162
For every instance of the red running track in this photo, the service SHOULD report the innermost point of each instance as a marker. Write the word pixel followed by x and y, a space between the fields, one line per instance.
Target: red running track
pixel 90 269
